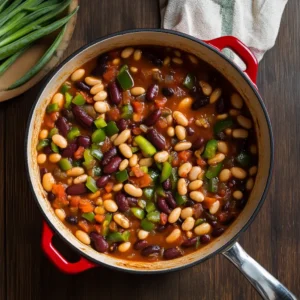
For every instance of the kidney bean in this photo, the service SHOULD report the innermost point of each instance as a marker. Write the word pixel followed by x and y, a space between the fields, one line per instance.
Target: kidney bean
pixel 220 106
pixel 153 58
pixel 51 197
pixel 122 202
pixel 73 220
pixel 82 117
pixel 152 118
pixel 150 250
pixel 217 231
pixel 209 217
pixel 67 114
pixel 84 141
pixel 122 124
pixel 190 131
pixel 99 242
pixel 160 228
pixel 63 126
pixel 132 201
pixel 152 92
pixel 172 253
pixel 170 200
pixel 108 155
pixel 43 171
pixel 167 92
pixel 226 206
pixel 114 93
pixel 189 242
pixel 156 139
pixel 82 86
pixel 198 143
pixel 200 102
pixel 163 206
pixel 69 151
pixel 113 165
pixel 113 247
pixel 47 150
pixel 212 223
pixel 76 189
pixel 198 210
pixel 167 185
pixel 101 65
pixel 141 244
pixel 204 239
pixel 189 203
pixel 102 181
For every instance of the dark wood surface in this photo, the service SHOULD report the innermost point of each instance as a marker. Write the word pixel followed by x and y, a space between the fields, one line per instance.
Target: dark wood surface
pixel 273 239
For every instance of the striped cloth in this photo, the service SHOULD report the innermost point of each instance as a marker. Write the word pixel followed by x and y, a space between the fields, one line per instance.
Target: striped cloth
pixel 254 22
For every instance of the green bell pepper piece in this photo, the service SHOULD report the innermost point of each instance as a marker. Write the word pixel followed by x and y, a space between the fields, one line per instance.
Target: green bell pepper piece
pixel 111 128
pixel 210 149
pixel 41 144
pixel 134 149
pixel 124 78
pixel 65 87
pixel 159 166
pixel 98 136
pixel 123 68
pixel 174 178
pixel 148 193
pixel 160 191
pixel 244 159
pixel 213 171
pixel 122 176
pixel 73 133
pixel 154 216
pixel 89 161
pixel 199 221
pixel 96 152
pixel 180 200
pixel 189 81
pixel 79 100
pixel 54 148
pixel 69 99
pixel 138 212
pixel 91 184
pixel 65 164
pixel 126 112
pixel 100 123
pixel 90 216
pixel 153 174
pixel 150 207
pixel 52 132
pixel 144 169
pixel 118 236
pixel 213 184
pixel 105 224
pixel 142 203
pixel 96 171
pixel 147 225
pixel 146 147
pixel 166 171
pixel 53 107
pixel 222 125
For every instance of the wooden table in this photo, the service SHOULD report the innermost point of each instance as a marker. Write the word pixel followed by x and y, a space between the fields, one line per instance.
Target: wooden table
pixel 273 239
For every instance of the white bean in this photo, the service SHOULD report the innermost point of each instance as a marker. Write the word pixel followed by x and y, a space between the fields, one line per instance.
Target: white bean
pixel 124 247
pixel 132 190
pixel 41 159
pixel 110 205
pixel 125 150
pixel 48 181
pixel 124 164
pixel 127 52
pixel 97 88
pixel 181 146
pixel 121 220
pixel 195 171
pixel 59 141
pixel 77 75
pixel 174 215
pixel 161 156
pixel 54 158
pixel 80 179
pixel 180 118
pixel 188 224
pixel 186 212
pixel 101 107
pixel 122 137
pixel 195 185
pixel 83 237
pixel 214 207
pixel 75 171
pixel 238 173
pixel 244 122
pixel 181 187
pixel 184 169
pixel 60 213
pixel 137 91
pixel 173 236
pixel 180 132
pixel 202 229
pixel 197 196
pixel 236 101
pixel 91 81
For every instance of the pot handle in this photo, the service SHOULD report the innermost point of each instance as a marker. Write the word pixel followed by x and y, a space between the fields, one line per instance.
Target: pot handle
pixel 241 50
pixel 266 285
pixel 57 259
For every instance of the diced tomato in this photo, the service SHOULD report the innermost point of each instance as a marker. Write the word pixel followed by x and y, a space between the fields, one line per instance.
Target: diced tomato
pixel 141 182
pixel 50 119
pixel 61 197
pixel 185 155
pixel 161 123
pixel 83 224
pixel 160 102
pixel 88 98
pixel 109 186
pixel 163 218
pixel 74 201
pixel 78 154
pixel 201 162
pixel 85 205
pixel 137 171
pixel 114 113
pixel 106 145
pixel 136 131
pixel 208 202
pixel 138 107
pixel 107 196
pixel 97 228
pixel 175 162
pixel 110 73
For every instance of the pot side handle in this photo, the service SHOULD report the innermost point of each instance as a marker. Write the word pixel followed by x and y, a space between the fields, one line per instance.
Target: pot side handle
pixel 57 259
pixel 266 285
pixel 241 50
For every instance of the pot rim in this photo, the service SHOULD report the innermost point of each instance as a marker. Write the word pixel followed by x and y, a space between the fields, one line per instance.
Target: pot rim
pixel 248 81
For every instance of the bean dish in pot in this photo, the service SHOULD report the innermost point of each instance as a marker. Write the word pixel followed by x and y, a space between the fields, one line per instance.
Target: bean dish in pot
pixel 147 154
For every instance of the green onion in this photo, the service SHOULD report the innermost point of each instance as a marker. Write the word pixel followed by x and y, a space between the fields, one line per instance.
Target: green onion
pixel 122 176
pixel 65 164
pixel 134 149
pixel 210 149
pixel 90 216
pixel 100 123
pixel 154 175
pixel 12 23
pixel 78 100
pixel 98 136
pixel 3 4
pixel 118 236
pixel 146 147
pixel 199 221
pixel 174 178
pixel 53 107
pixel 160 191
pixel 8 12
pixel 42 144
pixel 96 171
pixel 73 133
pixel 91 184
pixel 95 151
pixel 111 128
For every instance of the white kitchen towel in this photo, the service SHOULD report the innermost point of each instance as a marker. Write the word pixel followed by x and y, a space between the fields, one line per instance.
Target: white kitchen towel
pixel 254 22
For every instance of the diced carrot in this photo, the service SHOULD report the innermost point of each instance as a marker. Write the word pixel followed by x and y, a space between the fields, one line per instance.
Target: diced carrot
pixel 74 201
pixel 160 102
pixel 138 107
pixel 61 197
pixel 78 154
pixel 85 205
pixel 107 196
pixel 108 187
pixel 185 155
pixel 201 162
pixel 83 224
pixel 99 218
pixel 163 218
pixel 208 201
pixel 137 171
pixel 110 73
pixel 97 228
pixel 141 182
pixel 162 123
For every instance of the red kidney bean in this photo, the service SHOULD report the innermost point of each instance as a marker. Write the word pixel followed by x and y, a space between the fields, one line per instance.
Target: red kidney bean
pixel 47 150
pixel 76 189
pixel 172 253
pixel 101 65
pixel 122 124
pixel 161 228
pixel 150 250
pixel 82 117
pixel 69 151
pixel 152 118
pixel 167 92
pixel 73 220
pixel 226 206
pixel 141 244
pixel 225 218
pixel 189 242
pixel 152 92
pixel 217 231
pixel 153 58
pixel 82 86
pixel 115 94
pixel 113 165
pixel 108 155
pixel 122 202
pixel 198 210
pixel 51 197
pixel 167 185
pixel 99 242
pixel 190 131
pixel 220 106
pixel 84 141
pixel 213 223
pixel 189 203
pixel 43 171
pixel 170 200
pixel 209 216
pixel 200 101
pixel 102 181
pixel 156 139
pixel 163 206
pixel 132 201
pixel 62 126
pixel 198 143
pixel 204 239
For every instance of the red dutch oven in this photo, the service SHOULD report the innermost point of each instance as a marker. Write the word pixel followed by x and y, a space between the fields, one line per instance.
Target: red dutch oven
pixel 244 82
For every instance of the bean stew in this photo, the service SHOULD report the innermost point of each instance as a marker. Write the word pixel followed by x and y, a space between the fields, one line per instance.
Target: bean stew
pixel 147 153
